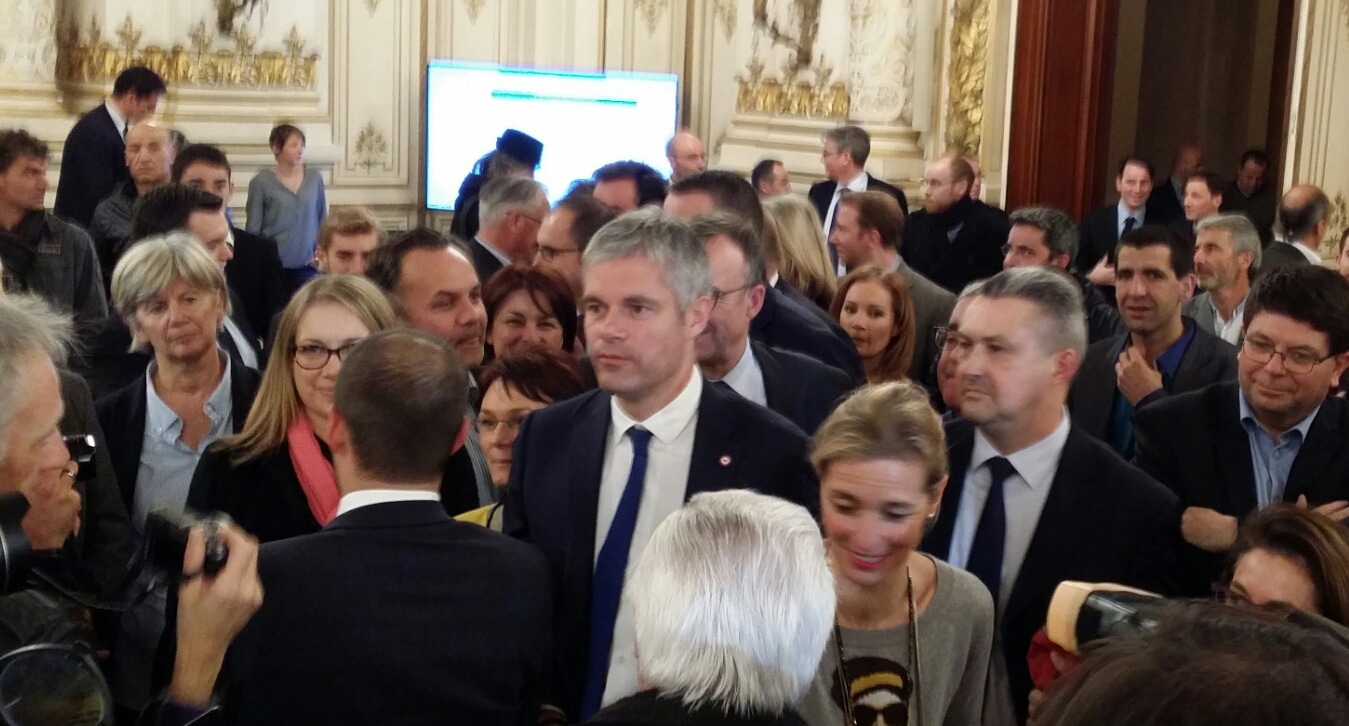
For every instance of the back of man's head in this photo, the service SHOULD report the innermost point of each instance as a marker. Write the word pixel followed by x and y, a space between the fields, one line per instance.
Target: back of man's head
pixel 167 208
pixel 732 604
pixel 403 395
pixel 1313 295
pixel 1302 209
pixel 651 186
pixel 729 193
pixel 139 81
pixel 880 212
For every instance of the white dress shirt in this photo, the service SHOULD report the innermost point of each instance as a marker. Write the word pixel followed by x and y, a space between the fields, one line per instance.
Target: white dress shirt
pixel 1230 329
pixel 1122 212
pixel 367 497
pixel 746 378
pixel 667 474
pixel 117 118
pixel 1024 496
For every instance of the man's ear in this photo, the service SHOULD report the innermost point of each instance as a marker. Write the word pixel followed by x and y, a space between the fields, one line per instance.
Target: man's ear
pixel 461 437
pixel 339 434
pixel 756 296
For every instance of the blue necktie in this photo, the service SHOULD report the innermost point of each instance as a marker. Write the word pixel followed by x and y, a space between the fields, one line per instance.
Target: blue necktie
pixel 990 538
pixel 1129 223
pixel 606 588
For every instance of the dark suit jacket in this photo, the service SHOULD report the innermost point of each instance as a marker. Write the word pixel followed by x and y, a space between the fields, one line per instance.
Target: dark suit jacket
pixel 1208 360
pixel 650 709
pixel 802 389
pixel 93 161
pixel 122 417
pixel 484 261
pixel 812 306
pixel 1104 521
pixel 255 275
pixel 1184 228
pixel 555 487
pixel 975 253
pixel 1281 254
pixel 1195 444
pixel 822 193
pixel 1164 205
pixel 1099 234
pixel 932 306
pixel 783 323
pixel 394 614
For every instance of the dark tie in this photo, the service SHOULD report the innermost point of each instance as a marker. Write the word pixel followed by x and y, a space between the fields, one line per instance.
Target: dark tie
pixel 986 552
pixel 1129 223
pixel 833 222
pixel 607 586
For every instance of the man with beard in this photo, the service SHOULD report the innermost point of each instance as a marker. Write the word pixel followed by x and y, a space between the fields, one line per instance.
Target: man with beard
pixel 1164 353
pixel 954 239
pixel 1226 255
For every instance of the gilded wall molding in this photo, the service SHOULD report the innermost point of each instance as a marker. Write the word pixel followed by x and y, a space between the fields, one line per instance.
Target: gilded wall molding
pixel 965 76
pixel 84 55
pixel 1339 212
pixel 791 96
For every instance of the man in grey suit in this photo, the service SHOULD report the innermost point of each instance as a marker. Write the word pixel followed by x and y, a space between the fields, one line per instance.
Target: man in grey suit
pixel 1226 254
pixel 867 231
pixel 1304 217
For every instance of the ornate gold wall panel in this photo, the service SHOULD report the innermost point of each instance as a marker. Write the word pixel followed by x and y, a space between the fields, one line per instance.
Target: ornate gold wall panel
pixel 789 96
pixel 966 73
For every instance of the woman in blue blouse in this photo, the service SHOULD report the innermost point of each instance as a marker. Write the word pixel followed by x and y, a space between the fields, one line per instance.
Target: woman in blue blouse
pixel 287 203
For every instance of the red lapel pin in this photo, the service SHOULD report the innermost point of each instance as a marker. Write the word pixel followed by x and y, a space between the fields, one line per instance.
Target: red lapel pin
pixel 725 460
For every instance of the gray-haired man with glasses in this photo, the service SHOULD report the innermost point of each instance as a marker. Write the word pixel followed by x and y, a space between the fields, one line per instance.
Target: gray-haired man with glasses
pixel 1276 435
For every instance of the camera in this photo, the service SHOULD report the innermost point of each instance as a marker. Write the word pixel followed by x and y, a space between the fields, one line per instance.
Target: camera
pixel 166 540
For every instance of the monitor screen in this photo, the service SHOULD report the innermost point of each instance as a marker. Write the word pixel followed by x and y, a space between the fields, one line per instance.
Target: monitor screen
pixel 584 121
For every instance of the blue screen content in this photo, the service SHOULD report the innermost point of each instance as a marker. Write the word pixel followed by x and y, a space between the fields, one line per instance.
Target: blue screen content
pixel 583 120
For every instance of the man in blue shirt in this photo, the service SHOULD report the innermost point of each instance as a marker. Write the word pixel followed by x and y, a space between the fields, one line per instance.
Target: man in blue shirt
pixel 1274 436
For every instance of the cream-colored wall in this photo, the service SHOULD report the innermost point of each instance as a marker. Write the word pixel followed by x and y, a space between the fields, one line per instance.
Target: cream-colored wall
pixel 1317 146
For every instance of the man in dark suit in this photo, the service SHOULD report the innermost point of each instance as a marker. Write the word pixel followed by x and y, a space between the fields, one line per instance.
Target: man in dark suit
pixel 1048 236
pixel 1166 203
pixel 787 322
pixel 954 239
pixel 868 231
pixel 768 377
pixel 1102 227
pixel 93 159
pixel 448 622
pixel 1032 500
pixel 1275 435
pixel 1249 194
pixel 844 156
pixel 593 476
pixel 1203 199
pixel 255 272
pixel 511 211
pixel 1164 353
pixel 1304 218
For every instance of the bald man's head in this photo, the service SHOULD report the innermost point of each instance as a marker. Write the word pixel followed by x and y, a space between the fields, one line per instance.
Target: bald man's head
pixel 685 152
pixel 149 155
pixel 1303 215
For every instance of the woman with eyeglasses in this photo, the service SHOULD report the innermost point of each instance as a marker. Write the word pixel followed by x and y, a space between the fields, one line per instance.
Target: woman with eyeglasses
pixel 914 636
pixel 515 386
pixel 528 307
pixel 275 477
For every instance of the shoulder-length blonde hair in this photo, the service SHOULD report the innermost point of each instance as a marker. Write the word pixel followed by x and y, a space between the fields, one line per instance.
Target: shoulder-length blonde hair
pixel 897 356
pixel 791 221
pixel 277 404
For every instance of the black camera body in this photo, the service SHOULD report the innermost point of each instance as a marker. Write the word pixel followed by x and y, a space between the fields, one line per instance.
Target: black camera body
pixel 166 540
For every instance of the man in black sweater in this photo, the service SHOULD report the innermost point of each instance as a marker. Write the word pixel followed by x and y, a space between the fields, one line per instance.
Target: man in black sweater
pixel 954 239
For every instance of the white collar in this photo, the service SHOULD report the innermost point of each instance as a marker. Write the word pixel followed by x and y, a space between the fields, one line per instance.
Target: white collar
pixel 667 423
pixel 367 497
pixel 495 252
pixel 117 118
pixel 1124 210
pixel 773 280
pixel 1312 255
pixel 1036 464
pixel 857 183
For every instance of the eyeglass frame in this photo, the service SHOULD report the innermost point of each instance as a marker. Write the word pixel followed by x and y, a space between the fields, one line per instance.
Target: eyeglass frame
pixel 549 254
pixel 341 354
pixel 717 295
pixel 1301 368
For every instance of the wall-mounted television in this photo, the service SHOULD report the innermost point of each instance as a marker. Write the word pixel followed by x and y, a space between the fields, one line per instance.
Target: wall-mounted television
pixel 585 120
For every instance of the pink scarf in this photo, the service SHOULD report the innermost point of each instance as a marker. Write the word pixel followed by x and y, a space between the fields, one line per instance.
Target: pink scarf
pixel 314 471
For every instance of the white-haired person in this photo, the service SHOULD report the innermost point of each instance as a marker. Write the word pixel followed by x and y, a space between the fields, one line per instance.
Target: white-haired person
pixel 732 601
pixel 913 637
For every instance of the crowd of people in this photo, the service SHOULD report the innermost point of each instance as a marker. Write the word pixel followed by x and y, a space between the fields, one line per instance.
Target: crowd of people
pixel 695 449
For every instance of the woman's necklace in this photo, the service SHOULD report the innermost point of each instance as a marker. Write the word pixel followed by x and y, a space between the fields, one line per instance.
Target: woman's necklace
pixel 845 683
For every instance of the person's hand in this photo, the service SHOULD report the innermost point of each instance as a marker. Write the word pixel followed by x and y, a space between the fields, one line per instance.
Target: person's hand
pixel 212 609
pixel 53 509
pixel 1338 511
pixel 1208 530
pixel 1103 273
pixel 1135 377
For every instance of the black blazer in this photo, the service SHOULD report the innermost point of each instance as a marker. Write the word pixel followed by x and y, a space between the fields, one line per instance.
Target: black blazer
pixel 255 274
pixel 1103 521
pixel 555 486
pixel 784 323
pixel 976 252
pixel 1208 360
pixel 1183 228
pixel 264 495
pixel 649 708
pixel 394 614
pixel 802 389
pixel 811 306
pixel 822 193
pixel 1195 444
pixel 1281 254
pixel 93 161
pixel 122 417
pixel 1099 235
pixel 484 261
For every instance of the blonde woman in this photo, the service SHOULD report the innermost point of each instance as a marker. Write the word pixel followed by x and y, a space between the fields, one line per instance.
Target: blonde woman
pixel 275 477
pixel 793 237
pixel 914 636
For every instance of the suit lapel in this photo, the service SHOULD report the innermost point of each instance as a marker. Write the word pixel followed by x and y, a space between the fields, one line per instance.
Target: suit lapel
pixel 1096 391
pixel 587 443
pixel 1190 374
pixel 717 449
pixel 775 388
pixel 959 449
pixel 1233 453
pixel 1323 444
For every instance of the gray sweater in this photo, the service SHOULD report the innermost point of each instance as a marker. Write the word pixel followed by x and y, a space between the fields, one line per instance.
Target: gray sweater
pixel 290 218
pixel 955 644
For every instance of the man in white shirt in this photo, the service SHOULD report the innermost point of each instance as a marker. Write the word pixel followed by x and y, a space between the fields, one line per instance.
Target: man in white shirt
pixel 1226 254
pixel 844 156
pixel 593 476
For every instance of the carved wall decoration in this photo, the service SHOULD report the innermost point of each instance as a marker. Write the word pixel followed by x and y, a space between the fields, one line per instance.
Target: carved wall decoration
pixel 651 11
pixel 807 21
pixel 474 9
pixel 371 148
pixel 230 15
pixel 880 60
pixel 725 12
pixel 372 6
pixel 1339 214
pixel 791 96
pixel 85 56
pixel 969 52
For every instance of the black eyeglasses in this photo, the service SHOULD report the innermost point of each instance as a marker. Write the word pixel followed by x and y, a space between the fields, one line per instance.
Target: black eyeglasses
pixel 717 295
pixel 551 253
pixel 940 335
pixel 314 357
pixel 1294 361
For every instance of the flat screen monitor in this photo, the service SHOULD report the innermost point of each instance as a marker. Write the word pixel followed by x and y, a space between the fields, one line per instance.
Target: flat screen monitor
pixel 585 120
